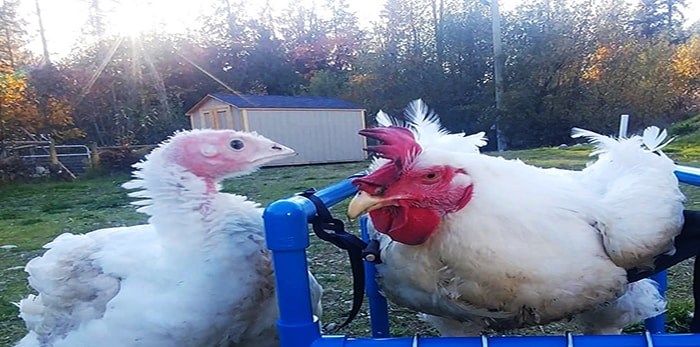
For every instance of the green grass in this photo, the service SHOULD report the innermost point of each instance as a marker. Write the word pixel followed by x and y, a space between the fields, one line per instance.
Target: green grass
pixel 32 214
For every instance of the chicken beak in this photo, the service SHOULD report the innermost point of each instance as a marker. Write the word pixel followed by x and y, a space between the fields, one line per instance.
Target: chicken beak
pixel 363 202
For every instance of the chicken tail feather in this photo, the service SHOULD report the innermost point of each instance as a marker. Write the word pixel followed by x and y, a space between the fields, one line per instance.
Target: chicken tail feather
pixel 603 143
pixel 642 300
pixel 653 138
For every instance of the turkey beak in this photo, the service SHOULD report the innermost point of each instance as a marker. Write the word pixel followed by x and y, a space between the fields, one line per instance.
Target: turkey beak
pixel 281 151
pixel 363 202
pixel 275 151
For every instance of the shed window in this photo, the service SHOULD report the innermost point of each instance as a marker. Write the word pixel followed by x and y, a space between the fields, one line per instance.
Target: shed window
pixel 207 120
pixel 222 119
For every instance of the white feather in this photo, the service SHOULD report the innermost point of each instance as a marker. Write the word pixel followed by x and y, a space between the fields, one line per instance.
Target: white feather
pixel 640 301
pixel 430 133
pixel 424 121
pixel 603 143
pixel 385 120
pixel 653 139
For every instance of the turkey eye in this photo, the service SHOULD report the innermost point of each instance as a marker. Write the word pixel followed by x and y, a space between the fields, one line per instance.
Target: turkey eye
pixel 237 144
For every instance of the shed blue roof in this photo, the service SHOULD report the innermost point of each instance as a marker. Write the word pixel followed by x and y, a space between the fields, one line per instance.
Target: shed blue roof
pixel 278 101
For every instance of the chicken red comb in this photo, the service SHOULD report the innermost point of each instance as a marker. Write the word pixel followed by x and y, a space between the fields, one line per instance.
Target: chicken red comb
pixel 399 145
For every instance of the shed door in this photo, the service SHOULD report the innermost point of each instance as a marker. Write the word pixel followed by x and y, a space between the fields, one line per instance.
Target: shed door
pixel 208 120
pixel 222 119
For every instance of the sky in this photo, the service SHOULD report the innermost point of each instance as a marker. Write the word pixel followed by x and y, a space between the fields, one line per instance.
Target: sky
pixel 64 20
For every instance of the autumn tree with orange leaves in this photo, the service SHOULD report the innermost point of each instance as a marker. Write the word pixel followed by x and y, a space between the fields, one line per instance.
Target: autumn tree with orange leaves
pixel 22 112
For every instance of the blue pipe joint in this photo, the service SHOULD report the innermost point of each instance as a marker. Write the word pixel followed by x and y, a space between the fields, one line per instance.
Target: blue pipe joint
pixel 298 334
pixel 286 226
pixel 286 233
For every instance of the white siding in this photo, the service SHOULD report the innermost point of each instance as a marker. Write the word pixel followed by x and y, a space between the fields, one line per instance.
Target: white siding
pixel 237 121
pixel 319 136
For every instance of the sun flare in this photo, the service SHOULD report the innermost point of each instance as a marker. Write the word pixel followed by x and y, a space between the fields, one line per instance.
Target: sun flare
pixel 131 18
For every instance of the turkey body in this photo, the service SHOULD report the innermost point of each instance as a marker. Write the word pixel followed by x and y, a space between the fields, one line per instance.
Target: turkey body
pixel 197 275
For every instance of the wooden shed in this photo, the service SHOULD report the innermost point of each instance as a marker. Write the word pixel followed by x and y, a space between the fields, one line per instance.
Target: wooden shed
pixel 320 129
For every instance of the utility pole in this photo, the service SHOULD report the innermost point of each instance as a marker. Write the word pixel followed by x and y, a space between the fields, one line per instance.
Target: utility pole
pixel 497 70
pixel 47 59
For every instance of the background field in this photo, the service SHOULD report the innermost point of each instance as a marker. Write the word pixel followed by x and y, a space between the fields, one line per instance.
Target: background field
pixel 31 214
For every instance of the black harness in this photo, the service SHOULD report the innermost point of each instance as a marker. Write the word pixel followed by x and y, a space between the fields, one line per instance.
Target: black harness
pixel 332 230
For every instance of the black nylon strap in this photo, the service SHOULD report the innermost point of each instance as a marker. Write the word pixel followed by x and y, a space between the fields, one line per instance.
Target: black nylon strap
pixel 323 222
pixel 687 246
pixel 695 322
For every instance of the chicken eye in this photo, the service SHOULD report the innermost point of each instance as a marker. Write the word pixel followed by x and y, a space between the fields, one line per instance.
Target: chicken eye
pixel 236 144
pixel 431 177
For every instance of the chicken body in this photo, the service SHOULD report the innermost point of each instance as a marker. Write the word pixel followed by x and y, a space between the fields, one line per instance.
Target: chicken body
pixel 530 245
pixel 197 275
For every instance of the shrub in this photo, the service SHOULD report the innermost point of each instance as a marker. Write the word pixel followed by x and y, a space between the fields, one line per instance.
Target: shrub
pixel 13 168
pixel 121 159
pixel 686 127
pixel 118 159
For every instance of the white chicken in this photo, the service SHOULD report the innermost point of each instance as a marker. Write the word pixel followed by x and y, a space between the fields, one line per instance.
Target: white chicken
pixel 198 274
pixel 476 241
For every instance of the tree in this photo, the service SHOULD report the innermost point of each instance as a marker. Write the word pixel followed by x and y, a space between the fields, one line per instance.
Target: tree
pixel 12 34
pixel 659 17
pixel 344 37
pixel 305 39
pixel 327 83
pixel 686 65
pixel 569 63
pixel 20 111
pixel 545 44
pixel 126 101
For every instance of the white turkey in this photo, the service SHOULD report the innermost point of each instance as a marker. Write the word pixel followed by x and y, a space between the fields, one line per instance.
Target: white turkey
pixel 198 274
pixel 475 241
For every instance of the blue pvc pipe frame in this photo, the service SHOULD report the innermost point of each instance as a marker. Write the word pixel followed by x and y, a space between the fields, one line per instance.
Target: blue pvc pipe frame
pixel 286 230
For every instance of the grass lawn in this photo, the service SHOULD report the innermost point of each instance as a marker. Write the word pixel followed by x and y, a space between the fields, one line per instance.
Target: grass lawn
pixel 33 214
